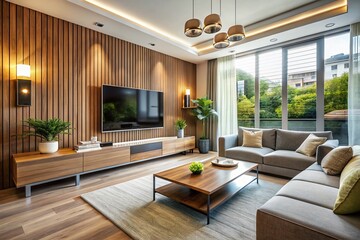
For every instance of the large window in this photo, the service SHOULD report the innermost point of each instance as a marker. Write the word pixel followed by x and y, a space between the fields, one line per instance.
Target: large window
pixel 299 104
pixel 245 77
pixel 336 50
pixel 270 68
pixel 301 87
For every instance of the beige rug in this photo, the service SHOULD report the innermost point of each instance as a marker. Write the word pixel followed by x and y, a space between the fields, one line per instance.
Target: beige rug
pixel 129 205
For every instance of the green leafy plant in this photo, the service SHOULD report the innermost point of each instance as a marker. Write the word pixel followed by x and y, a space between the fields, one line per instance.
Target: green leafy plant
pixel 180 124
pixel 46 129
pixel 203 111
pixel 196 167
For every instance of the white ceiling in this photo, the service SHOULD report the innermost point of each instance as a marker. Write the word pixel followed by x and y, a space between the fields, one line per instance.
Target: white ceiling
pixel 162 21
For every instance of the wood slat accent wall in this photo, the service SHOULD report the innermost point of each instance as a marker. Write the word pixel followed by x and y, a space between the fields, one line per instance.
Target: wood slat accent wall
pixel 69 63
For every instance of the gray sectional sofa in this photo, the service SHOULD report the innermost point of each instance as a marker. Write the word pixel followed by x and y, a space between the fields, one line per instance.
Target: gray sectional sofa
pixel 278 155
pixel 303 209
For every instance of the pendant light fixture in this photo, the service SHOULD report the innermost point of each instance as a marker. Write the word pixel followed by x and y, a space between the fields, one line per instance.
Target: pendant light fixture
pixel 212 22
pixel 236 32
pixel 193 26
pixel 221 40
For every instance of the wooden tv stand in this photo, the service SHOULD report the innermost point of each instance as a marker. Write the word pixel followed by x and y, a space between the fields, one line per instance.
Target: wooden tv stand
pixel 34 168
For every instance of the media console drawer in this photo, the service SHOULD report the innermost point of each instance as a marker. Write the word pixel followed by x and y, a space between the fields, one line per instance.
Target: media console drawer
pixel 106 157
pixel 144 151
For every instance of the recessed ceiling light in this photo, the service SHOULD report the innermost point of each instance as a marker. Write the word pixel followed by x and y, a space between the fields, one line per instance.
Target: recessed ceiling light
pixel 273 40
pixel 152 44
pixel 98 24
pixel 329 25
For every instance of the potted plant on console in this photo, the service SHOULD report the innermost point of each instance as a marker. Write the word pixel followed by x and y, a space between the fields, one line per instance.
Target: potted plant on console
pixel 180 125
pixel 203 111
pixel 48 131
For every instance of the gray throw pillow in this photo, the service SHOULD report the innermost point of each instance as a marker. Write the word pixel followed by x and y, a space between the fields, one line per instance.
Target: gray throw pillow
pixel 335 161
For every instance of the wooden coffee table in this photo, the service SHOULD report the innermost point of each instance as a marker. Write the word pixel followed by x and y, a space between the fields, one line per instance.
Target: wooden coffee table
pixel 208 190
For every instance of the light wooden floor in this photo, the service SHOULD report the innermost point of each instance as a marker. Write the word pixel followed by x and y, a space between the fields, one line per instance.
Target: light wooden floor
pixel 56 210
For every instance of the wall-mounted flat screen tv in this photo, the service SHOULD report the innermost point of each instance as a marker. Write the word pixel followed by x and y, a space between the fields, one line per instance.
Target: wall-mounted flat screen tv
pixel 130 108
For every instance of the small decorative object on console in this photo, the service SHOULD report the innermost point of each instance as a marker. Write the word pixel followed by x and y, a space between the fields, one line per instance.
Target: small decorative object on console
pixel 196 167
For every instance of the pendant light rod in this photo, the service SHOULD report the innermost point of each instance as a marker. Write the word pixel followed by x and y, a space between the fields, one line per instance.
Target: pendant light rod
pixel 220 9
pixel 193 8
pixel 235 12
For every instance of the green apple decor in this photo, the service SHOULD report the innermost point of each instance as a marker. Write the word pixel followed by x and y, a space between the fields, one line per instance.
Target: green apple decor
pixel 196 167
pixel 203 111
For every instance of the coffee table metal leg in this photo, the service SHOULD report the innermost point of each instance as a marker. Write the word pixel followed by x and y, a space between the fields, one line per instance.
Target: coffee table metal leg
pixel 208 210
pixel 257 174
pixel 153 188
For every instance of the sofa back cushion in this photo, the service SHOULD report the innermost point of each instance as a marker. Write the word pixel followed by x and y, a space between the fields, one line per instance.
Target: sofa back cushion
pixel 291 140
pixel 268 136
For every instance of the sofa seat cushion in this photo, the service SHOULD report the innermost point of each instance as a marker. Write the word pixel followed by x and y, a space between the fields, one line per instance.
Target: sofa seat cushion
pixel 288 159
pixel 313 217
pixel 309 192
pixel 248 153
pixel 318 177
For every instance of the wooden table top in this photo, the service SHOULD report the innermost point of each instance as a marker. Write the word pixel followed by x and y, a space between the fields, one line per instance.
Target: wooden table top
pixel 210 180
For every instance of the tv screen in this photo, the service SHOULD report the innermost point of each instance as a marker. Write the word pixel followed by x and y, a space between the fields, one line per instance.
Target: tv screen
pixel 130 108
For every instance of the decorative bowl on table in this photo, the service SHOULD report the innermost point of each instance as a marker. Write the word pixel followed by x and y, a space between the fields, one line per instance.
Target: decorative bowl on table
pixel 224 162
pixel 196 167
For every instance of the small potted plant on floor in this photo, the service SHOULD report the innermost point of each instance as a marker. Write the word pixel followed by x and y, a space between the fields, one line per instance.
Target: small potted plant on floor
pixel 203 111
pixel 48 131
pixel 180 125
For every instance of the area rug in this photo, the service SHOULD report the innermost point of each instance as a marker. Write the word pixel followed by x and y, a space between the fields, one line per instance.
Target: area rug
pixel 129 205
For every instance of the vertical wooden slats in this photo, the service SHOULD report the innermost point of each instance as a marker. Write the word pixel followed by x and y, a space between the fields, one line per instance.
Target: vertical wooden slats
pixel 12 88
pixel 69 63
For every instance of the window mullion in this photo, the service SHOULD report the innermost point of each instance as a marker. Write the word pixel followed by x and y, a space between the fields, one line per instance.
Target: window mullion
pixel 284 102
pixel 257 92
pixel 320 82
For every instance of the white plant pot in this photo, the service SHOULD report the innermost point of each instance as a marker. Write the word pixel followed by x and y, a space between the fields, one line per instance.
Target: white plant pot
pixel 180 133
pixel 48 147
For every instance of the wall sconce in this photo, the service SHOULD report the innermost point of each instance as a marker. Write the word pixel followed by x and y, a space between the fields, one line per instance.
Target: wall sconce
pixel 187 98
pixel 23 86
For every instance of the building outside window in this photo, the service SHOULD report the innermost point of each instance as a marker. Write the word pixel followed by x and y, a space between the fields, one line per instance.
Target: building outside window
pixel 333 67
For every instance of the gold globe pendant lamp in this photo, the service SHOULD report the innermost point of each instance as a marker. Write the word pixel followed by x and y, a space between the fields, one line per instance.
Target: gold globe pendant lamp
pixel 193 26
pixel 212 22
pixel 221 40
pixel 236 32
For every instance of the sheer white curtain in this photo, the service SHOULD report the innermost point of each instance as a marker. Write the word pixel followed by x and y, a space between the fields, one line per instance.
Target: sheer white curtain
pixel 226 96
pixel 354 85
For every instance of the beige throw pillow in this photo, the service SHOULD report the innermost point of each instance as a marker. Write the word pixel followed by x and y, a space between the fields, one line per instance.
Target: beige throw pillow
pixel 308 147
pixel 252 139
pixel 348 197
pixel 335 161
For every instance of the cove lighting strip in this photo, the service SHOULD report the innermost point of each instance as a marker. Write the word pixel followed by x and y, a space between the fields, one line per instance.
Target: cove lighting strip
pixel 137 22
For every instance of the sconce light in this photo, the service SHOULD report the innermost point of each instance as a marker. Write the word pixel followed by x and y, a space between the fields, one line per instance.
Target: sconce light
pixel 187 98
pixel 23 86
